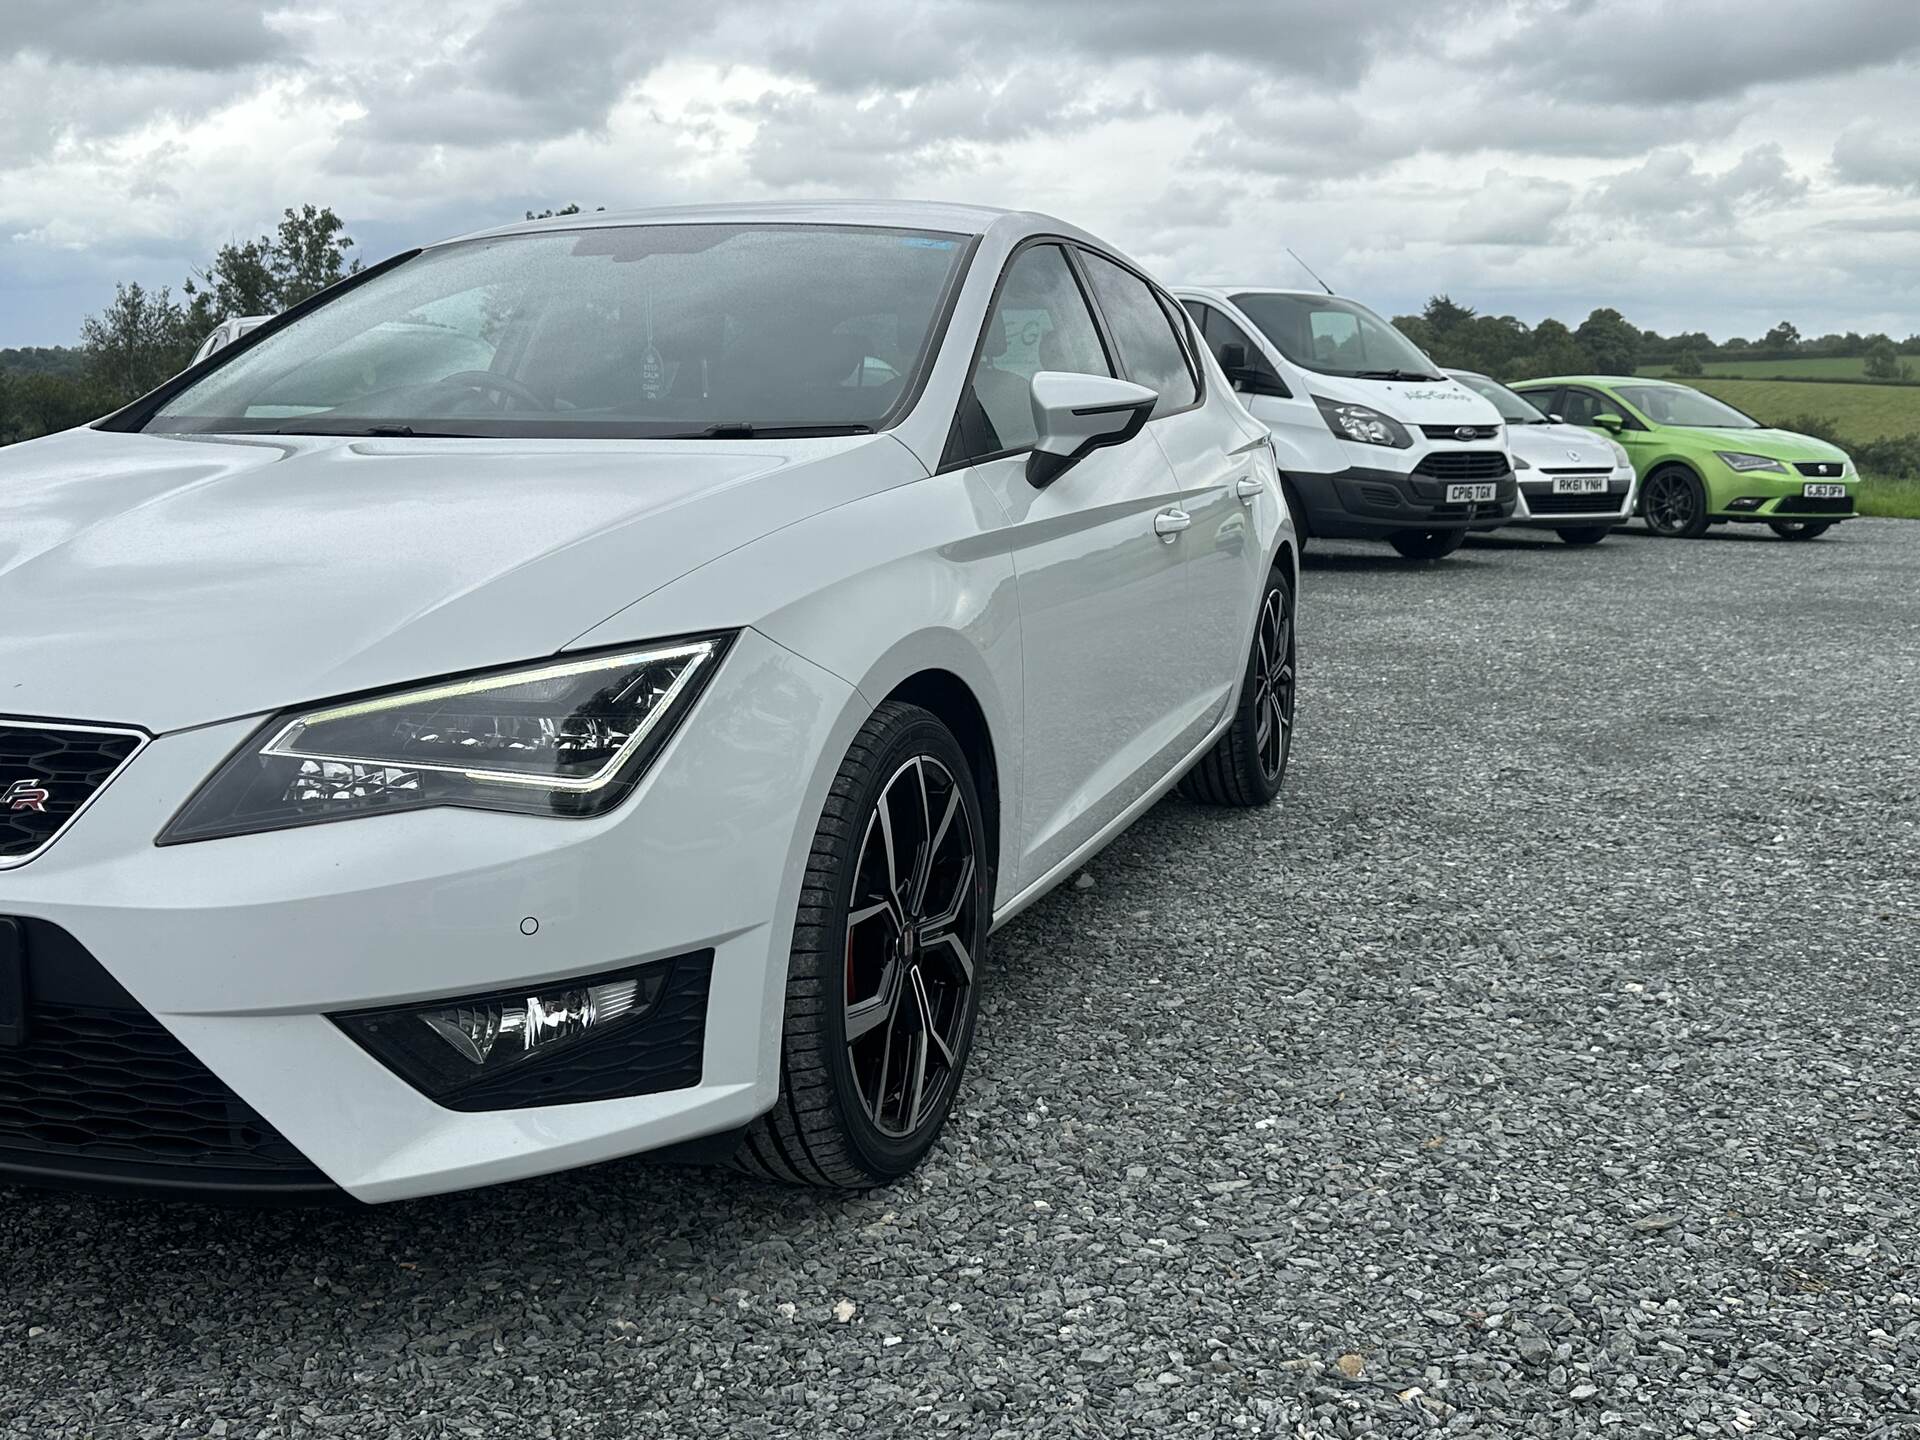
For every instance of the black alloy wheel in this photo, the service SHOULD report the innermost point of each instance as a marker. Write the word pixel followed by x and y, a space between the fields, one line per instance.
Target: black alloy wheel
pixel 1675 503
pixel 882 977
pixel 1246 765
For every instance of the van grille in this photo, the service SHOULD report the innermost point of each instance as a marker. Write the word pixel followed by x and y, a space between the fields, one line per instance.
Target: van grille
pixel 1463 465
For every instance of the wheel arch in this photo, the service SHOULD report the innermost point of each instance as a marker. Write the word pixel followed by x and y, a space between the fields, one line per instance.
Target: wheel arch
pixel 947 696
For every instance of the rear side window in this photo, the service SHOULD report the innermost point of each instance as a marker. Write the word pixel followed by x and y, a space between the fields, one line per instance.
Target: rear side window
pixel 1143 333
pixel 1039 322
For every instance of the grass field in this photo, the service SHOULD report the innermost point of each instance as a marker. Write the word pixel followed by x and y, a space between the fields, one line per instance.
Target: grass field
pixel 1835 367
pixel 1859 412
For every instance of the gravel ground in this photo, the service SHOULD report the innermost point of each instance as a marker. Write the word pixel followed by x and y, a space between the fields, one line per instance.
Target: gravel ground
pixel 1540 1065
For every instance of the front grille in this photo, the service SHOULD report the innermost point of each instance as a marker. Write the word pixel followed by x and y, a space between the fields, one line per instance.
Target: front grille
pixel 1460 432
pixel 1592 504
pixel 1463 465
pixel 1820 469
pixel 1809 505
pixel 47 773
pixel 99 1087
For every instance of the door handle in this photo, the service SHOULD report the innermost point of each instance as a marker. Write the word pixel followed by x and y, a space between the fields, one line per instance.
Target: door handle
pixel 1169 523
pixel 1248 487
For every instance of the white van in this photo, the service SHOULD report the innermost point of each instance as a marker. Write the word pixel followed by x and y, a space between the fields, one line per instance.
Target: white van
pixel 1375 441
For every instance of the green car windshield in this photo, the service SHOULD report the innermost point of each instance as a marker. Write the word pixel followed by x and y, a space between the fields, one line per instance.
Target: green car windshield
pixel 1689 409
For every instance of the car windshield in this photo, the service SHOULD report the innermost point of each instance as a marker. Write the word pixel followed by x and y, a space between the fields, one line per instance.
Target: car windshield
pixel 1689 409
pixel 1514 409
pixel 655 330
pixel 1336 337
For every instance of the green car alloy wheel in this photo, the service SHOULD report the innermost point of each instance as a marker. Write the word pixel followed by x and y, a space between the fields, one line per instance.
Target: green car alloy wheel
pixel 1701 462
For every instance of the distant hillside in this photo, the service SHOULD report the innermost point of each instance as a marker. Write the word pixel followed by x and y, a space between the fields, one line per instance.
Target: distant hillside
pixel 63 360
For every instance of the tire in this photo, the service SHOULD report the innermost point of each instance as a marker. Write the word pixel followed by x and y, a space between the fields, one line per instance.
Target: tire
pixel 839 1123
pixel 1585 534
pixel 1247 765
pixel 1675 503
pixel 1799 529
pixel 1428 544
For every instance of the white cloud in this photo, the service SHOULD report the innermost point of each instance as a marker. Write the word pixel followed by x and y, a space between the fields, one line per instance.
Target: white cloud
pixel 1691 164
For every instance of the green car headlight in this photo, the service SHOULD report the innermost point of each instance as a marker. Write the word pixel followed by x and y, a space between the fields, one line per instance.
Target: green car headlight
pixel 568 737
pixel 1743 462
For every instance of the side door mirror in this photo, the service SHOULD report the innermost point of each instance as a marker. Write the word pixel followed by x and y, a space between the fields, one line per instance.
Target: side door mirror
pixel 1076 415
pixel 1609 422
pixel 1248 378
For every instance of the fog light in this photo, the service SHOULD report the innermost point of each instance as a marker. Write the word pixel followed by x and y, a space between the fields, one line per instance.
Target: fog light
pixel 450 1046
pixel 1748 502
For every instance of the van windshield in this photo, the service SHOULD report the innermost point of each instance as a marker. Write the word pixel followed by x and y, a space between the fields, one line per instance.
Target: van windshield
pixel 1336 337
pixel 696 331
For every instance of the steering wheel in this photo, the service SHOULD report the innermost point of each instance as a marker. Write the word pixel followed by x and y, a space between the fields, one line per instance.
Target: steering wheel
pixel 499 385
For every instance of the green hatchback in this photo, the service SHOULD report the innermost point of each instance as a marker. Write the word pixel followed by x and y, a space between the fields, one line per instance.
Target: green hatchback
pixel 1701 462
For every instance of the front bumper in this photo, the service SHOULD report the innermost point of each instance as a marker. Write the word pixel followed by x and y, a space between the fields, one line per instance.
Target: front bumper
pixel 1368 504
pixel 241 948
pixel 1793 506
pixel 1539 507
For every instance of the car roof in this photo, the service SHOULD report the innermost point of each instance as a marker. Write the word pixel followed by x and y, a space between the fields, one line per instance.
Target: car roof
pixel 901 214
pixel 1231 290
pixel 1599 380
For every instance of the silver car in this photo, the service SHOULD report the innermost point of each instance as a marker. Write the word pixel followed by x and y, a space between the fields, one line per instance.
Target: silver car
pixel 1572 481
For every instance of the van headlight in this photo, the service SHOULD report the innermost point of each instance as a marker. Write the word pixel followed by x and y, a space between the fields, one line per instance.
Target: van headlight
pixel 568 737
pixel 1362 423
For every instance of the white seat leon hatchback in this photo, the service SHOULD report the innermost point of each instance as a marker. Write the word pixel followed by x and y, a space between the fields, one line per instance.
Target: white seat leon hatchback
pixel 594 686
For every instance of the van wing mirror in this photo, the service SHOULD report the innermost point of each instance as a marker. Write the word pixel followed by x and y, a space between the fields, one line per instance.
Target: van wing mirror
pixel 1076 415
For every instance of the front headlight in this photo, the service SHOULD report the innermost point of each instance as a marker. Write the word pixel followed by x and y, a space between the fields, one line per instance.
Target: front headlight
pixel 1743 462
pixel 1362 423
pixel 1620 456
pixel 567 737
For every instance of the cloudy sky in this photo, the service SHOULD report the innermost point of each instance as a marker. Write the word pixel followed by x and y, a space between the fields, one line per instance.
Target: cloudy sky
pixel 1714 164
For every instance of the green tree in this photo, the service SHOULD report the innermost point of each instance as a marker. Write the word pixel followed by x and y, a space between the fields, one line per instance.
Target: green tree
pixel 1612 344
pixel 1552 350
pixel 139 340
pixel 1687 362
pixel 1783 337
pixel 304 255
pixel 1883 361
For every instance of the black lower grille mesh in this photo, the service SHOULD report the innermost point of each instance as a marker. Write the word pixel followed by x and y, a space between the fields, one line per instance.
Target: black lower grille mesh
pixel 116 1085
pixel 1590 504
pixel 1812 505
pixel 97 1089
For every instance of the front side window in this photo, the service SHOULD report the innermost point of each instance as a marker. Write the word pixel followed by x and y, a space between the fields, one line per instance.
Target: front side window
pixel 1143 333
pixel 1677 405
pixel 1515 409
pixel 646 330
pixel 1219 332
pixel 1335 337
pixel 1039 322
pixel 1578 407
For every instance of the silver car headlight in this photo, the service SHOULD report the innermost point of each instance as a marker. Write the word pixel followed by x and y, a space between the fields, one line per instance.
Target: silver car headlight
pixel 1740 460
pixel 568 737
pixel 1620 457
